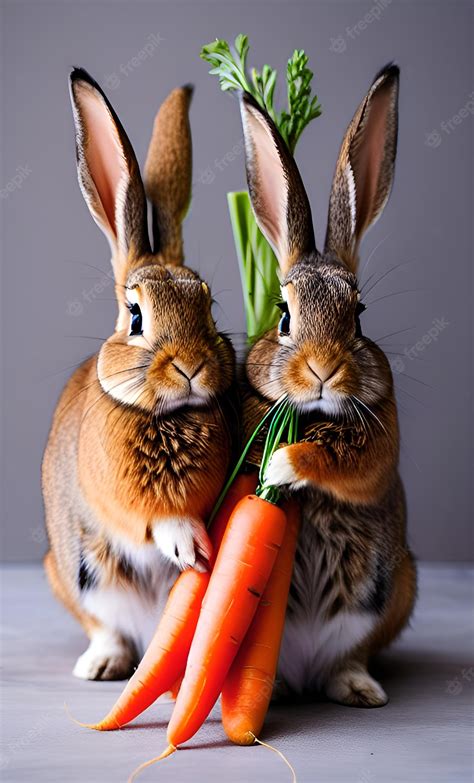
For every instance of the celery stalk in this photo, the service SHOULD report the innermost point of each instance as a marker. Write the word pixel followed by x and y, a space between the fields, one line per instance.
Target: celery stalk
pixel 258 267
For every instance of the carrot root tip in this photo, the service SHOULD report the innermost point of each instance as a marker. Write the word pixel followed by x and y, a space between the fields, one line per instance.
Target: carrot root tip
pixel 279 753
pixel 101 726
pixel 78 722
pixel 167 752
pixel 240 738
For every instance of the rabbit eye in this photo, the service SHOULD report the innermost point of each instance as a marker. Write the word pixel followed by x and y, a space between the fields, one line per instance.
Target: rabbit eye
pixel 359 310
pixel 136 322
pixel 284 323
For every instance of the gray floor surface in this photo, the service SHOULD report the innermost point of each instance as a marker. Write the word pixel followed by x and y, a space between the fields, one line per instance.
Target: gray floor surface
pixel 423 734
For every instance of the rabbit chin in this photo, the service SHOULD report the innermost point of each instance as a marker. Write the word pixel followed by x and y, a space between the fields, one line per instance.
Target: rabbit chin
pixel 330 405
pixel 193 400
pixel 127 394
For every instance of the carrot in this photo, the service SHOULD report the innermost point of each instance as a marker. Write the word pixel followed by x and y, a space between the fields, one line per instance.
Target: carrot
pixel 247 690
pixel 164 661
pixel 244 562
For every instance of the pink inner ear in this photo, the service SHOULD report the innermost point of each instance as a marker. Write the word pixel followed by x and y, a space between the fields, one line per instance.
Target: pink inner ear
pixel 369 158
pixel 271 203
pixel 103 151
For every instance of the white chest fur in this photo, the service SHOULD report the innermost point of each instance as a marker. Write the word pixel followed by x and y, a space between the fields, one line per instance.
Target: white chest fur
pixel 134 610
pixel 313 642
pixel 311 646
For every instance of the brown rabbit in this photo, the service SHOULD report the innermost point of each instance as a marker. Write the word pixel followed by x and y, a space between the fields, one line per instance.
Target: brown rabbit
pixel 141 438
pixel 354 581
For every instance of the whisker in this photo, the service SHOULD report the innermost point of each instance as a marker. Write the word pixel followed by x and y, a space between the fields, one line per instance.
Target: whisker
pixel 394 345
pixel 123 412
pixel 403 447
pixel 420 402
pixel 373 253
pixel 105 299
pixel 382 277
pixel 85 337
pixel 96 380
pixel 107 393
pixel 101 395
pixel 371 412
pixel 417 380
pixel 222 417
pixel 392 334
pixel 106 272
pixel 396 293
pixel 148 343
pixel 364 423
pixel 65 369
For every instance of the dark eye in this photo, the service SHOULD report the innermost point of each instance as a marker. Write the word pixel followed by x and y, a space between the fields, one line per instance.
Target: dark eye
pixel 284 323
pixel 136 323
pixel 359 310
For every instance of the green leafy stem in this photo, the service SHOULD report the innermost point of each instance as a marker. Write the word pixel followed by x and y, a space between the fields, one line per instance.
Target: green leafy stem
pixel 230 65
pixel 282 419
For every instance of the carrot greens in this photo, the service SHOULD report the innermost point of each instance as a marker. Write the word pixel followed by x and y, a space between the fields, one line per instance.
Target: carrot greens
pixel 230 65
pixel 257 261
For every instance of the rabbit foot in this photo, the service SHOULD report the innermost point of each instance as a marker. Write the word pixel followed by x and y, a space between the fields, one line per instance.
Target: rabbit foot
pixel 106 658
pixel 354 687
pixel 184 541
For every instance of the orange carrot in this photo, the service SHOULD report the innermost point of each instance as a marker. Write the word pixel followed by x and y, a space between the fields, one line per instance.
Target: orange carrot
pixel 247 690
pixel 165 659
pixel 244 563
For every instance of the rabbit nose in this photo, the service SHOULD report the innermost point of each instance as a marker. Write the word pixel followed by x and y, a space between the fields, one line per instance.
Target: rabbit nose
pixel 321 372
pixel 188 370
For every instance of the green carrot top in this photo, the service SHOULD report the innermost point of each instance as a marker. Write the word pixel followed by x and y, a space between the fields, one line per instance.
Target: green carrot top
pixel 230 65
pixel 282 422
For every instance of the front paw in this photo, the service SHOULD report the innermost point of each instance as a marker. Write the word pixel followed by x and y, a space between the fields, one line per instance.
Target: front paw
pixel 184 541
pixel 108 657
pixel 280 469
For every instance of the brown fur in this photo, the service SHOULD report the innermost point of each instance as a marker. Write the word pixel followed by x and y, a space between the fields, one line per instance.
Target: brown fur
pixel 61 592
pixel 143 432
pixel 375 118
pixel 352 557
pixel 168 193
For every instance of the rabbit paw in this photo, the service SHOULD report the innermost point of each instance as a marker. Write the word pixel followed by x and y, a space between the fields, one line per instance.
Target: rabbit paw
pixel 355 687
pixel 184 541
pixel 280 469
pixel 106 658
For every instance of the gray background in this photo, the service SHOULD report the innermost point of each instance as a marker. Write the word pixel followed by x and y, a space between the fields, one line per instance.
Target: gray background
pixel 54 255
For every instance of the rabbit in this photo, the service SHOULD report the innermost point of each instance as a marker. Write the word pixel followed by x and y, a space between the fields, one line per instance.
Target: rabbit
pixel 354 580
pixel 143 433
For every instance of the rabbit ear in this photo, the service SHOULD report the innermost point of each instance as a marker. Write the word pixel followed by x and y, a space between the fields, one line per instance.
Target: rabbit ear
pixel 276 189
pixel 168 172
pixel 108 172
pixel 365 168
